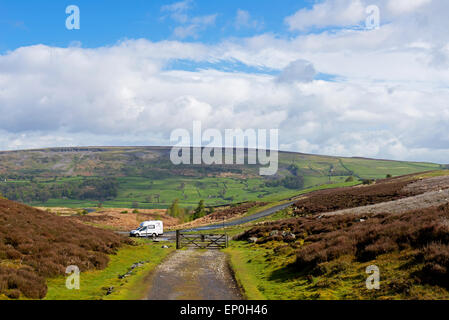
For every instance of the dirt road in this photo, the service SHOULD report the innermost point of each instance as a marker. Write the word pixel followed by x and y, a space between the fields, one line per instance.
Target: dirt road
pixel 194 275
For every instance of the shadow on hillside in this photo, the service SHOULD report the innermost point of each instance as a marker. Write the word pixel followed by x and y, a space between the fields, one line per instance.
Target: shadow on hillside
pixel 287 273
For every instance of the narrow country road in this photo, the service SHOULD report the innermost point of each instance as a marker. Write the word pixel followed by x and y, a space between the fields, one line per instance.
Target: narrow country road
pixel 236 222
pixel 243 220
pixel 194 275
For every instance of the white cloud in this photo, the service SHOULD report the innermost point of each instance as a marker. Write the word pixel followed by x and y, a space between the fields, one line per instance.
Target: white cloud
pixel 178 6
pixel 190 26
pixel 243 20
pixel 177 10
pixel 328 14
pixel 298 70
pixel 406 6
pixel 195 25
pixel 389 99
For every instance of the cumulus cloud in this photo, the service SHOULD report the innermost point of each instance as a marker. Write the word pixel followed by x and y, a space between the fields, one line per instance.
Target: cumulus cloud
pixel 298 70
pixel 328 13
pixel 406 6
pixel 388 99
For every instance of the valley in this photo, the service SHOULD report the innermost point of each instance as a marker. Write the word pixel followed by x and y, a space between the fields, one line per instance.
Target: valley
pixel 312 241
pixel 145 178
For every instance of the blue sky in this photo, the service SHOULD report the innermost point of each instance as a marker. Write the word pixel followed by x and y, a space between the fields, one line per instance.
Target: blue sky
pixel 104 22
pixel 314 69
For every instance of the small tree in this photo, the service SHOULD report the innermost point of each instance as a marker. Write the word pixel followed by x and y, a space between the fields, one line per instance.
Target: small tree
pixel 135 205
pixel 350 179
pixel 389 176
pixel 368 181
pixel 174 210
pixel 200 211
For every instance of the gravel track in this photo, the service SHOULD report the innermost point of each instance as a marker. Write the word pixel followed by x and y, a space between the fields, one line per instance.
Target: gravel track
pixel 194 275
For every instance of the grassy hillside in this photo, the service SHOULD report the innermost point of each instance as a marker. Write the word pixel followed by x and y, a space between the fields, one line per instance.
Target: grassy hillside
pixel 145 177
pixel 305 254
pixel 35 245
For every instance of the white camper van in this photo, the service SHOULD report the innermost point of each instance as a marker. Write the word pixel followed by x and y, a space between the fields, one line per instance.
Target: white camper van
pixel 148 229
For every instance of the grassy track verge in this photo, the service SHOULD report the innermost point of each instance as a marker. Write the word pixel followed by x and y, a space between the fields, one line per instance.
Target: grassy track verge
pixel 265 273
pixel 94 284
pixel 244 276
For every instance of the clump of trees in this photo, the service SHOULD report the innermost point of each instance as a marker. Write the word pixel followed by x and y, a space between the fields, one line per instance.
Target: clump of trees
pixel 294 169
pixel 200 211
pixel 184 214
pixel 85 189
pixel 176 211
pixel 290 182
pixel 368 181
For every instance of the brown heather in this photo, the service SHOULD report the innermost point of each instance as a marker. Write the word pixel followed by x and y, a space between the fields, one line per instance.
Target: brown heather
pixel 344 198
pixel 235 211
pixel 38 244
pixel 424 232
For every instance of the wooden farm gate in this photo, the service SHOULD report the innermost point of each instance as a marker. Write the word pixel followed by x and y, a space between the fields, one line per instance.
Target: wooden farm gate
pixel 201 241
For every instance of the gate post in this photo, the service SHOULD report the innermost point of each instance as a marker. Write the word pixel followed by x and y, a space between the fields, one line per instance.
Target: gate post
pixel 178 244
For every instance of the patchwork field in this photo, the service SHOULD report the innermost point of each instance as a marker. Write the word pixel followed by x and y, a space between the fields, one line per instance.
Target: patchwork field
pixel 144 177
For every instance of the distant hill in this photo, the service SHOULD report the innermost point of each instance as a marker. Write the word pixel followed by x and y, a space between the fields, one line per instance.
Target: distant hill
pixel 145 177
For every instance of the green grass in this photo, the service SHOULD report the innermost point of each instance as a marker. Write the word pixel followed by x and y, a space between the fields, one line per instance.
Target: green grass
pixel 132 165
pixel 244 275
pixel 376 169
pixel 137 189
pixel 264 275
pixel 432 174
pixel 94 284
